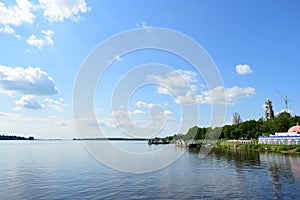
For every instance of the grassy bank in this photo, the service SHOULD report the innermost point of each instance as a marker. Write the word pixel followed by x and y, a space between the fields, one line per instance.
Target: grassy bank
pixel 262 147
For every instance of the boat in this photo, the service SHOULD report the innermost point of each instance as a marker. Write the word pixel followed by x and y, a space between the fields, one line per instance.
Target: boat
pixel 158 141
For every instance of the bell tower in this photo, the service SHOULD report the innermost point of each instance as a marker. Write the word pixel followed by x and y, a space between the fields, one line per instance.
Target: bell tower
pixel 269 109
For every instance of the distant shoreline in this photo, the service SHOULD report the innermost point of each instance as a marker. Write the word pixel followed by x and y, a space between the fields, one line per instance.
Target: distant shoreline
pixel 117 139
pixel 14 137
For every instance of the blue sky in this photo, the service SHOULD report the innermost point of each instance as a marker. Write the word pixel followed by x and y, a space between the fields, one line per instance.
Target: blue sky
pixel 254 44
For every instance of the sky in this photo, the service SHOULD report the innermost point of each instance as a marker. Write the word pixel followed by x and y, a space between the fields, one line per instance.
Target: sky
pixel 254 46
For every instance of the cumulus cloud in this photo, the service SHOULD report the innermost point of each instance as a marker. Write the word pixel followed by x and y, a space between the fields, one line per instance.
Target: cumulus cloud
pixel 243 69
pixel 217 95
pixel 40 42
pixel 181 84
pixel 167 113
pixel 29 102
pixel 57 105
pixel 53 10
pixel 7 29
pixel 26 12
pixel 138 112
pixel 176 82
pixel 144 105
pixel 58 10
pixel 27 81
pixel 190 98
pixel 17 14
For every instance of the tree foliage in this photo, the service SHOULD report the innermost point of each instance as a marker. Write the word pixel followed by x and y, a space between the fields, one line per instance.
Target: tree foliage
pixel 250 129
pixel 236 119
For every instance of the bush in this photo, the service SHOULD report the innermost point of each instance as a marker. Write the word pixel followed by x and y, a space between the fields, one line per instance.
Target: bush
pixel 254 146
pixel 284 148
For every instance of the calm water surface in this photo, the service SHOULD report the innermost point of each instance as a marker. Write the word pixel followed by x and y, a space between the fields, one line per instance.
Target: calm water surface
pixel 64 170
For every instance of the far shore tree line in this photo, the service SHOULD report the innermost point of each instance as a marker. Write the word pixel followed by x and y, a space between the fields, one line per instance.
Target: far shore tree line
pixel 250 129
pixel 14 137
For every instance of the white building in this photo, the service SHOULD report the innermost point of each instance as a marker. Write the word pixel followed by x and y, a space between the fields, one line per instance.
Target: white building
pixel 292 137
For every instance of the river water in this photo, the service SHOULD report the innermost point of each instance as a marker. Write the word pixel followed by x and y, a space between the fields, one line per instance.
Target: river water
pixel 65 170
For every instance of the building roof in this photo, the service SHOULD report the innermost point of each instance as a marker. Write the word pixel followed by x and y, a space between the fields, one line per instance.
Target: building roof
pixel 294 129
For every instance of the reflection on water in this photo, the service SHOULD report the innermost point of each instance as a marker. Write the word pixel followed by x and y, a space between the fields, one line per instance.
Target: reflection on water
pixel 138 157
pixel 281 171
pixel 63 169
pixel 284 171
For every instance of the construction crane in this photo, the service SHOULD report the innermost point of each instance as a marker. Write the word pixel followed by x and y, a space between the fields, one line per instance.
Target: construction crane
pixel 286 100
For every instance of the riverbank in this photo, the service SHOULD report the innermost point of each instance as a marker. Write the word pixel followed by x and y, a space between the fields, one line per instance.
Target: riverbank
pixel 241 144
pixel 292 149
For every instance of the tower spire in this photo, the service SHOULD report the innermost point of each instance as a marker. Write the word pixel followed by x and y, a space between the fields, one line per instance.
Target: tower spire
pixel 269 109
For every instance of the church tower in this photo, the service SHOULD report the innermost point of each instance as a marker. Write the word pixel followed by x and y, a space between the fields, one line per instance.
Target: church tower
pixel 269 109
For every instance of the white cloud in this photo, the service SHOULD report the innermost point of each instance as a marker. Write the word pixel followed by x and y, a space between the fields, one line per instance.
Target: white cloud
pixel 238 93
pixel 28 81
pixel 138 112
pixel 143 25
pixel 188 98
pixel 182 85
pixel 32 84
pixel 167 113
pixel 24 11
pixel 176 82
pixel 144 105
pixel 57 105
pixel 292 112
pixel 7 29
pixel 29 102
pixel 217 95
pixel 243 69
pixel 17 14
pixel 58 10
pixel 40 42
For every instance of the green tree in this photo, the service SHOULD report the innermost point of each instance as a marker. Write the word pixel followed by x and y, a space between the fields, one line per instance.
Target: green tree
pixel 227 131
pixel 235 134
pixel 248 129
pixel 282 122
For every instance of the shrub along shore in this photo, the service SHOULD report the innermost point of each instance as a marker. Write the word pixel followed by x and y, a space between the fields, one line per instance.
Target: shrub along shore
pixel 294 149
